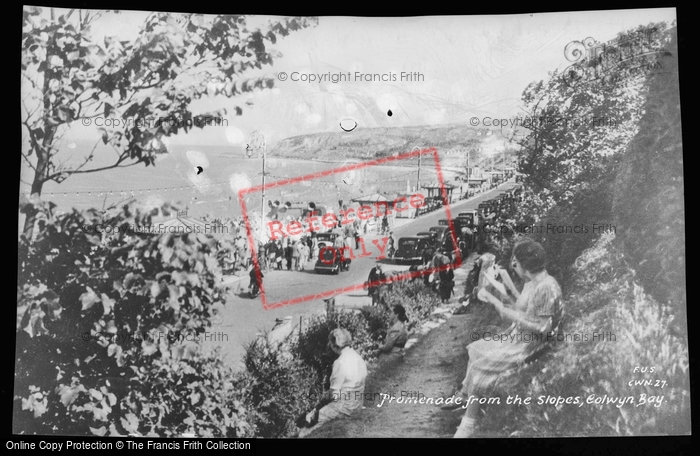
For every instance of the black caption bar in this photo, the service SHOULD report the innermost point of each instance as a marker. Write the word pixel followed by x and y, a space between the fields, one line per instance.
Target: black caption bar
pixel 68 443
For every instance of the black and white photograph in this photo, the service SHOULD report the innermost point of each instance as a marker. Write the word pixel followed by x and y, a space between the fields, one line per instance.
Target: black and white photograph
pixel 244 226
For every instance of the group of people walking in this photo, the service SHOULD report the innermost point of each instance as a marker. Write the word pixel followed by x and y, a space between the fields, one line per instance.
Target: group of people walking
pixel 287 254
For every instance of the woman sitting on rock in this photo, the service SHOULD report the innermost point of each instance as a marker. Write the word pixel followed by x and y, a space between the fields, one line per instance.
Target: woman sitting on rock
pixel 538 309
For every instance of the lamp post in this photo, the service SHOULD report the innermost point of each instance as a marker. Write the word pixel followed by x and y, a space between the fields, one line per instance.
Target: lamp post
pixel 257 145
pixel 418 180
pixel 417 149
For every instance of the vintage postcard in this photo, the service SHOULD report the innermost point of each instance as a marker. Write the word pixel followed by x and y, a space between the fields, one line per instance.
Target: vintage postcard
pixel 244 226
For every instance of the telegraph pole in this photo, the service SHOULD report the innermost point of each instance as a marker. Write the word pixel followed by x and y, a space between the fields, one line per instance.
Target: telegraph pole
pixel 419 164
pixel 257 144
pixel 262 204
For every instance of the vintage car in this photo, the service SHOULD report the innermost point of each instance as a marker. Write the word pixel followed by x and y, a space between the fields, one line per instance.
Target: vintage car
pixel 434 237
pixel 411 249
pixel 486 208
pixel 330 258
pixel 471 217
pixel 471 213
pixel 442 232
pixel 459 223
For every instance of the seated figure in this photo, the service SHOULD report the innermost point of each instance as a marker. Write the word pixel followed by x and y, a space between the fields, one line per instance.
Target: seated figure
pixel 396 336
pixel 346 393
pixel 538 310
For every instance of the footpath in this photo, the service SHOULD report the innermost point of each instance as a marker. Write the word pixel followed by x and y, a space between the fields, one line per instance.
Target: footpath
pixel 432 367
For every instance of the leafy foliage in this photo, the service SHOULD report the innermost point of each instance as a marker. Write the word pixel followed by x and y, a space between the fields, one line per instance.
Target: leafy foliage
pixel 116 326
pixel 142 88
pixel 282 388
pixel 580 178
pixel 313 349
pixel 377 318
pixel 418 300
pixel 591 368
pixel 571 159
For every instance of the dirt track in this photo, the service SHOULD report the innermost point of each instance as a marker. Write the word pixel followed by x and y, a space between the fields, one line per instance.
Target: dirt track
pixel 432 368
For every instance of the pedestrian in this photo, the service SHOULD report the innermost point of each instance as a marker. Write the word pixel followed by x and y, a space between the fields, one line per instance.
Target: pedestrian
pixel 295 255
pixel 288 255
pixel 314 248
pixel 271 255
pixel 385 224
pixel 375 275
pixel 309 244
pixel 447 283
pixel 303 255
pixel 391 245
pixel 279 251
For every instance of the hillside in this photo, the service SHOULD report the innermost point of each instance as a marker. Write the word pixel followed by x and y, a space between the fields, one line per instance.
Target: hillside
pixel 453 141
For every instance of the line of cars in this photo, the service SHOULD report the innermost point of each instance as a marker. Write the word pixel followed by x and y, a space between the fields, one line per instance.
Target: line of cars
pixel 419 249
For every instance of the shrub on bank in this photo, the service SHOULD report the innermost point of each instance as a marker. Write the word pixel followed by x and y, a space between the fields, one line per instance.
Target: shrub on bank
pixel 102 331
pixel 312 346
pixel 288 380
pixel 378 318
pixel 281 388
pixel 418 300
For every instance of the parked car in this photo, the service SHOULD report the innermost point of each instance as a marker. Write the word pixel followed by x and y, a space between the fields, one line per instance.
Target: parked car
pixel 470 214
pixel 434 237
pixel 442 232
pixel 458 223
pixel 411 249
pixel 470 217
pixel 486 208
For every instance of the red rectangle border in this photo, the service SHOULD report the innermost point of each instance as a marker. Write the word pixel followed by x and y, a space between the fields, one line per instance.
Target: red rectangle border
pixel 330 293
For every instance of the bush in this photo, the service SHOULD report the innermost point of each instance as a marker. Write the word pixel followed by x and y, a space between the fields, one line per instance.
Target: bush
pixel 201 396
pixel 288 380
pixel 594 368
pixel 418 300
pixel 378 318
pixel 312 346
pixel 282 388
pixel 107 320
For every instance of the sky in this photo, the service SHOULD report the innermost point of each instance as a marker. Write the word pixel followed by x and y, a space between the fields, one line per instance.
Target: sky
pixel 467 66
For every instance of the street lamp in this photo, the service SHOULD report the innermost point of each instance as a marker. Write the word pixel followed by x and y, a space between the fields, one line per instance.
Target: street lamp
pixel 417 149
pixel 257 145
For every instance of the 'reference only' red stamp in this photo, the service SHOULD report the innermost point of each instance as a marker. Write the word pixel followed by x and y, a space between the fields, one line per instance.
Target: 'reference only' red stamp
pixel 278 229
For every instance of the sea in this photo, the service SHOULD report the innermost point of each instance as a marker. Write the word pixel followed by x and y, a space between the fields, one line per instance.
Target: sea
pixel 205 181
